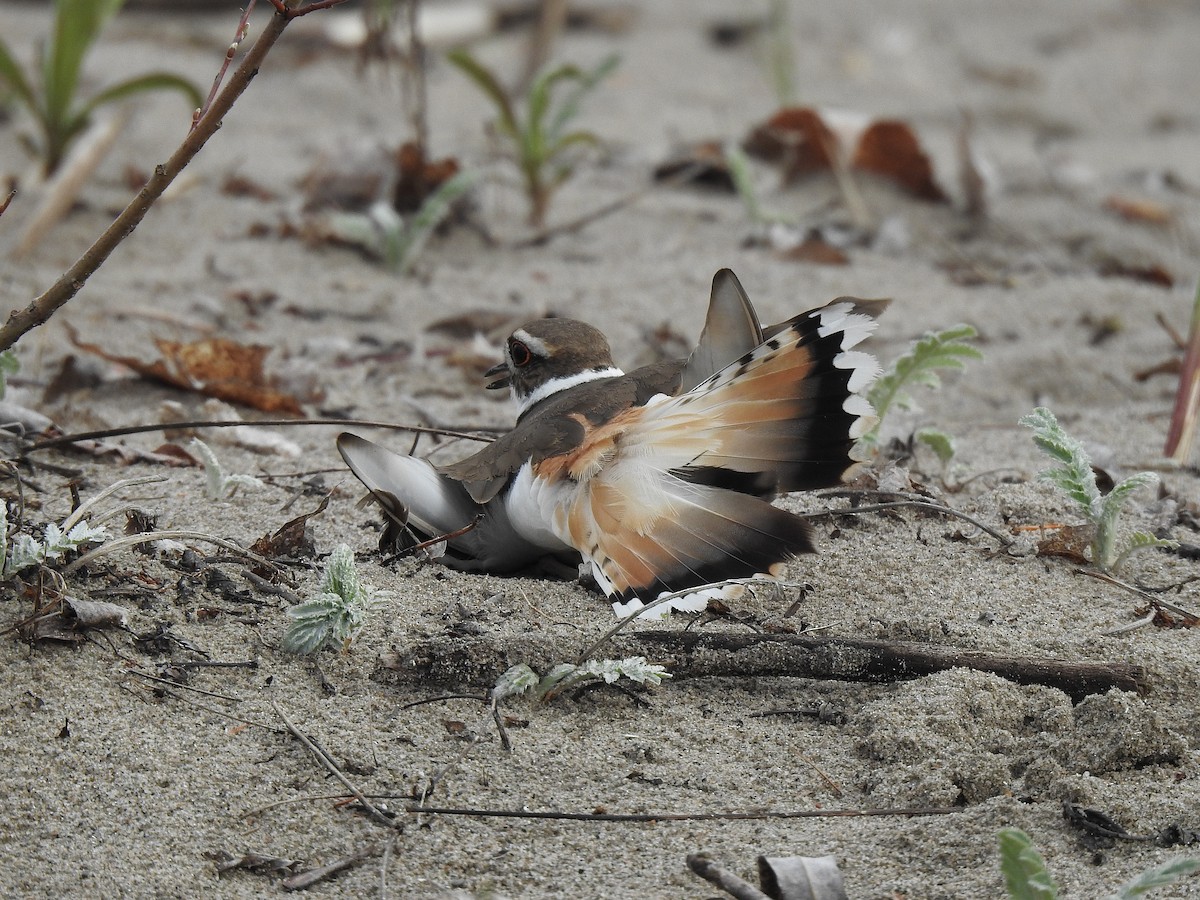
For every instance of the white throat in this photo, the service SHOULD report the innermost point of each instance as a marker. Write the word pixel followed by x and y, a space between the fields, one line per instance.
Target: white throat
pixel 554 385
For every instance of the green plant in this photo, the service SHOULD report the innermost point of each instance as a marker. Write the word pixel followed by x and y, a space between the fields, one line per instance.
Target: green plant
pixel 1024 870
pixel 521 678
pixel 384 234
pixel 540 141
pixel 781 57
pixel 51 97
pixel 338 613
pixel 1027 878
pixel 218 485
pixel 946 349
pixel 740 170
pixel 1074 475
pixel 57 541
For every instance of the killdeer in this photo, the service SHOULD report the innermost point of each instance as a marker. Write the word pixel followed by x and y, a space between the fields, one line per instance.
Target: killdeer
pixel 660 479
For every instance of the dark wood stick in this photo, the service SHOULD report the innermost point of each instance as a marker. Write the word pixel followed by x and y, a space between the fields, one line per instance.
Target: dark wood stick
pixel 860 659
pixel 451 659
pixel 701 864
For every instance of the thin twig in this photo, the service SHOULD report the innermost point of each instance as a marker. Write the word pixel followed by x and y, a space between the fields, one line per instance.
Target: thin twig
pixel 578 224
pixel 331 767
pixel 39 311
pixel 216 712
pixel 133 540
pixel 383 867
pixel 916 504
pixel 416 95
pixel 445 538
pixel 82 510
pixel 1145 620
pixel 1152 599
pixel 478 698
pixel 646 818
pixel 681 817
pixel 233 423
pixel 186 687
pixel 238 37
pixel 305 880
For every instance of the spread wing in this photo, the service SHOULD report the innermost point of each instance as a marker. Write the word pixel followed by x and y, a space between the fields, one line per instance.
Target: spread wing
pixel 676 493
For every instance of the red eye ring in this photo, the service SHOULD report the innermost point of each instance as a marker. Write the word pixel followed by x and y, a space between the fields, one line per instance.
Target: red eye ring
pixel 519 353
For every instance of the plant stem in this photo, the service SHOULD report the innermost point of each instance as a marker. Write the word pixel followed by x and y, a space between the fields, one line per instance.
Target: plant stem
pixel 71 282
pixel 1187 398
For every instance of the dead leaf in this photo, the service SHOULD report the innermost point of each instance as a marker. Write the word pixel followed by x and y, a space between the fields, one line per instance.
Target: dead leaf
pixel 796 138
pixel 1150 273
pixel 241 186
pixel 215 367
pixel 291 540
pixel 175 452
pixel 815 249
pixel 803 140
pixel 1068 541
pixel 704 163
pixel 890 148
pixel 418 177
pixel 1133 209
pixel 96 614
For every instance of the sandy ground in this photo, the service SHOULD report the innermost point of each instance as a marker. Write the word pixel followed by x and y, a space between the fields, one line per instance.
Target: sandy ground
pixel 113 787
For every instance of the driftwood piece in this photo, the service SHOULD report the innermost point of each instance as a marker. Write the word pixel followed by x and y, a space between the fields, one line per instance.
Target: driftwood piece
pixel 479 660
pixel 861 659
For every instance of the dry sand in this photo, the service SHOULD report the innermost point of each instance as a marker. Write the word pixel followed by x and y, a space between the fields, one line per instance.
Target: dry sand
pixel 111 788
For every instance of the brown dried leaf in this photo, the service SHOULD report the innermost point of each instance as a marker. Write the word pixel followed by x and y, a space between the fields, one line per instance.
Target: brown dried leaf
pixel 815 249
pixel 1134 209
pixel 803 141
pixel 291 540
pixel 798 139
pixel 1151 273
pixel 214 367
pixel 1068 541
pixel 418 177
pixel 890 148
pixel 705 162
pixel 241 186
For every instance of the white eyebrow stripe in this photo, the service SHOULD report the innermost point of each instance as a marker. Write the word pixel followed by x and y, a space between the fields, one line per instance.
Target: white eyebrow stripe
pixel 536 345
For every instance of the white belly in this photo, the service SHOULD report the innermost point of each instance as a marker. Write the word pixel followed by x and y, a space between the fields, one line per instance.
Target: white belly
pixel 533 508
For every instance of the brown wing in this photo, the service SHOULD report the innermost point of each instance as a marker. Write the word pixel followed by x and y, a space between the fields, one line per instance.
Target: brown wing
pixel 554 427
pixel 663 496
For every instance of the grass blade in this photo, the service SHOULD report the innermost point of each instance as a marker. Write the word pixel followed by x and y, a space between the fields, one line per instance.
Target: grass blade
pixel 487 83
pixel 151 81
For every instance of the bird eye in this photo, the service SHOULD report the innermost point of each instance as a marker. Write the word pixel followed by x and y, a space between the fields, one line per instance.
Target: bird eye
pixel 519 353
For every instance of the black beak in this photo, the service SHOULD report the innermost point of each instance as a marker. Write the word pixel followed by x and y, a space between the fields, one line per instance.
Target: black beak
pixel 501 376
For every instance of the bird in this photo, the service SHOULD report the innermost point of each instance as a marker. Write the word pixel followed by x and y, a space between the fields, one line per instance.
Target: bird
pixel 660 480
pixel 420 503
